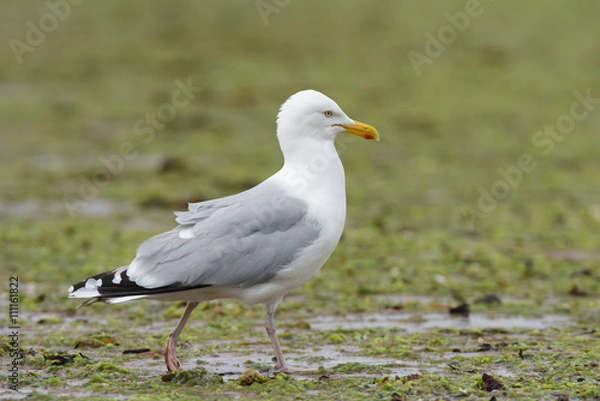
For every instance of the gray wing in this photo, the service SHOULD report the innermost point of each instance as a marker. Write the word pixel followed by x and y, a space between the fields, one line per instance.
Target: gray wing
pixel 241 240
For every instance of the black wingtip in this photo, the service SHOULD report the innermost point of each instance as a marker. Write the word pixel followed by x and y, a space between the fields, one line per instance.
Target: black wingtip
pixel 116 284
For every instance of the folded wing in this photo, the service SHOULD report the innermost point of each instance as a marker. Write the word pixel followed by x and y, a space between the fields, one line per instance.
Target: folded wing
pixel 241 240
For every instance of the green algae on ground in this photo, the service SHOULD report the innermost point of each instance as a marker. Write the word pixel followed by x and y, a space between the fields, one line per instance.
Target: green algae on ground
pixel 192 377
pixel 252 376
pixel 357 367
pixel 94 341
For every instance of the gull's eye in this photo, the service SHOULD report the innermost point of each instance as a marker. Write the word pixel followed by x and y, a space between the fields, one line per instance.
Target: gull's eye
pixel 328 113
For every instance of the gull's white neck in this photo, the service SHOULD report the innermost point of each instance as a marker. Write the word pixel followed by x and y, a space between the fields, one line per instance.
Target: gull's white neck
pixel 313 171
pixel 314 166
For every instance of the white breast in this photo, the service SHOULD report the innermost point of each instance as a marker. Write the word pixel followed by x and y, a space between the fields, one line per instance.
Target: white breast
pixel 318 179
pixel 324 191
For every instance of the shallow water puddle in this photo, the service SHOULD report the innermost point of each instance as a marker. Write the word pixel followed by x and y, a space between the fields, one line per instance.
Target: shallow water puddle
pixel 95 207
pixel 435 320
pixel 230 365
pixel 314 360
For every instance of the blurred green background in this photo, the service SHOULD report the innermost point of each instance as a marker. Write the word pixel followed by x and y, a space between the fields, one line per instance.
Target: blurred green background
pixel 74 94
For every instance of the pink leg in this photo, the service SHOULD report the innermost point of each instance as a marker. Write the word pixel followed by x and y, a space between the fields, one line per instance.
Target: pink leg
pixel 271 331
pixel 170 355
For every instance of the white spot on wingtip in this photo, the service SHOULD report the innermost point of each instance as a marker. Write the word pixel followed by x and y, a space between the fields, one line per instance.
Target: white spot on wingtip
pixel 71 289
pixel 186 234
pixel 117 278
pixel 92 284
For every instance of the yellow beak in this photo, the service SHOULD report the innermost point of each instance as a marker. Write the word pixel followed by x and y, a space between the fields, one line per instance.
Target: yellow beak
pixel 361 129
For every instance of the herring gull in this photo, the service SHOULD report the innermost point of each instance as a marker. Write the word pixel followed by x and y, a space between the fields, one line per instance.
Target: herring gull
pixel 257 245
